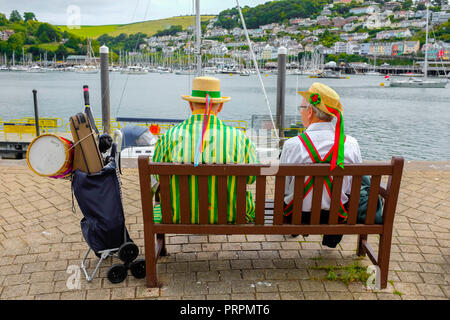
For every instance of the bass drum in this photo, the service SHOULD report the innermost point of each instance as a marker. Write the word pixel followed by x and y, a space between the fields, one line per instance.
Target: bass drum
pixel 50 156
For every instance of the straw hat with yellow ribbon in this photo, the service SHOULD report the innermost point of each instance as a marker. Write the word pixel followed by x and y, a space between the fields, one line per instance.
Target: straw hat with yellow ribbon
pixel 203 86
pixel 327 100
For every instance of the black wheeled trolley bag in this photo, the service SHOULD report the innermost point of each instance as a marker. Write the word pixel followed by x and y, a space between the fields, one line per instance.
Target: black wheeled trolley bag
pixel 97 188
pixel 99 197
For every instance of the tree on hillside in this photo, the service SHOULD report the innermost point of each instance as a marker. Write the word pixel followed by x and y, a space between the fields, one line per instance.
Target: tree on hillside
pixel 15 16
pixel 342 9
pixel 173 30
pixel 16 40
pixel 406 5
pixel 73 42
pixel 421 6
pixel 270 12
pixel 61 52
pixel 3 19
pixel 48 33
pixel 27 16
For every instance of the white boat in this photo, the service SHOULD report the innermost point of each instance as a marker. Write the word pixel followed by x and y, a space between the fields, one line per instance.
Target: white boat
pixel 87 69
pixel 164 70
pixel 372 73
pixel 210 70
pixel 36 69
pixel 18 68
pixel 409 74
pixel 419 83
pixel 244 73
pixel 134 70
pixel 135 152
pixel 229 70
pixel 425 82
pixel 185 72
pixel 331 74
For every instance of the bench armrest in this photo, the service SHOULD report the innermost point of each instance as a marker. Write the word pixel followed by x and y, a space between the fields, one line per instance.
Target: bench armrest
pixel 383 193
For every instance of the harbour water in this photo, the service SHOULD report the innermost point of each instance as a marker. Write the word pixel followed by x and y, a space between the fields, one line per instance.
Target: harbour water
pixel 413 123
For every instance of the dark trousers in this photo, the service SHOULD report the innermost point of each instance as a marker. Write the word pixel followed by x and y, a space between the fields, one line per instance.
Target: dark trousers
pixel 329 240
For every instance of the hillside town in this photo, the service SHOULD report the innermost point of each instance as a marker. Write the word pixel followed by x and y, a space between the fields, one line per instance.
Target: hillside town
pixel 371 30
pixel 357 32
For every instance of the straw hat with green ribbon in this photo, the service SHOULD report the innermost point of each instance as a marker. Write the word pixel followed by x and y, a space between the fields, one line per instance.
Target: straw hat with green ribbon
pixel 327 100
pixel 205 85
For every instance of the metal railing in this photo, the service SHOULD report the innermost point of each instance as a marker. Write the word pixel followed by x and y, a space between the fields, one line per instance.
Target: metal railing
pixel 26 125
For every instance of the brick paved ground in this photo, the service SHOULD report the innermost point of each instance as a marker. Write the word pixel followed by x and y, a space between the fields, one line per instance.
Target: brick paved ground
pixel 40 238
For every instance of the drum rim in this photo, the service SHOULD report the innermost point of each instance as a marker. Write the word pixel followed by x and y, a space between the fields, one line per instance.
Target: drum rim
pixel 65 160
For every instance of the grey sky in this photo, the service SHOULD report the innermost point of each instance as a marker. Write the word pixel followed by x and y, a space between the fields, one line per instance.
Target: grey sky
pixel 99 12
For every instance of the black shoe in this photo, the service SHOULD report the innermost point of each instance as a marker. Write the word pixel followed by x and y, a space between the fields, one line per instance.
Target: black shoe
pixel 331 240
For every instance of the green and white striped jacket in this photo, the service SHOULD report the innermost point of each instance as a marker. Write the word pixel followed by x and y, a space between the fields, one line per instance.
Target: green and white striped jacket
pixel 222 144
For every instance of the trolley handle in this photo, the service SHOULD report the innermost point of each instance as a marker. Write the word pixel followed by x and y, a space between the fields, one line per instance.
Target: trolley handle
pixel 87 109
pixel 86 95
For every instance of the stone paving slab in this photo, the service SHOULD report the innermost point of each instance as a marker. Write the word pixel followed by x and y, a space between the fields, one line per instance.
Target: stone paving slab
pixel 41 248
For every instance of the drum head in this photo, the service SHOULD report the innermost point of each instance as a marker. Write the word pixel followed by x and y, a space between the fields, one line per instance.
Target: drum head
pixel 47 155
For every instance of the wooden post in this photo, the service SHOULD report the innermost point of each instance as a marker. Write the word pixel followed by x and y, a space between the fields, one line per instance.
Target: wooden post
pixel 36 114
pixel 104 78
pixel 281 92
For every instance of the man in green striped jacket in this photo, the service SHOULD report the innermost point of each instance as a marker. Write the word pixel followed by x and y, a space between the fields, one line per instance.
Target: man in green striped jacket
pixel 204 138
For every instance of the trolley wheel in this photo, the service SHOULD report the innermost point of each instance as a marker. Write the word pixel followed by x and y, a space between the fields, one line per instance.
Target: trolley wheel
pixel 137 268
pixel 128 252
pixel 117 273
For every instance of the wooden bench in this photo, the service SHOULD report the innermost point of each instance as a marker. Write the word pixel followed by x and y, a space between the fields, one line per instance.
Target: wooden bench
pixel 154 240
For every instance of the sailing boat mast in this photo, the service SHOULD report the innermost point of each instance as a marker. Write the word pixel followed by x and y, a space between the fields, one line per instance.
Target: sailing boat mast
pixel 198 39
pixel 425 67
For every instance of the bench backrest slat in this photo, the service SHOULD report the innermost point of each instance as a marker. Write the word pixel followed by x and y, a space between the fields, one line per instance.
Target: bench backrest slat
pixel 335 199
pixel 260 200
pixel 373 199
pixel 298 199
pixel 317 199
pixel 279 200
pixel 203 199
pixel 222 199
pixel 166 205
pixel 241 199
pixel 354 200
pixel 185 203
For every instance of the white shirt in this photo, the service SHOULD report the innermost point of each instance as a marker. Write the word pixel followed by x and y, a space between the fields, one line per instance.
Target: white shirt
pixel 322 136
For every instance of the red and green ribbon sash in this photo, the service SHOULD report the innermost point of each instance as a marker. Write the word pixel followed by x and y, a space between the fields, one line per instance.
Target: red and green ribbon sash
pixel 200 142
pixel 309 184
pixel 339 136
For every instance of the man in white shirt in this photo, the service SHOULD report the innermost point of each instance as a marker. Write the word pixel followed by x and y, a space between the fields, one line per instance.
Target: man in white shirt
pixel 322 142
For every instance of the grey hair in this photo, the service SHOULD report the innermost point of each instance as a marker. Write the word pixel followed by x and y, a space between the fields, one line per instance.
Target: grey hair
pixel 321 115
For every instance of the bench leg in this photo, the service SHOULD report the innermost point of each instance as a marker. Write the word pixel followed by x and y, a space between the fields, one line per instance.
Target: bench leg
pixel 361 250
pixel 384 253
pixel 163 252
pixel 150 260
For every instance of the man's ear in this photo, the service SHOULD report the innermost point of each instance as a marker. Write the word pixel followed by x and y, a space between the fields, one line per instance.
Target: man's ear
pixel 310 112
pixel 191 106
pixel 220 108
